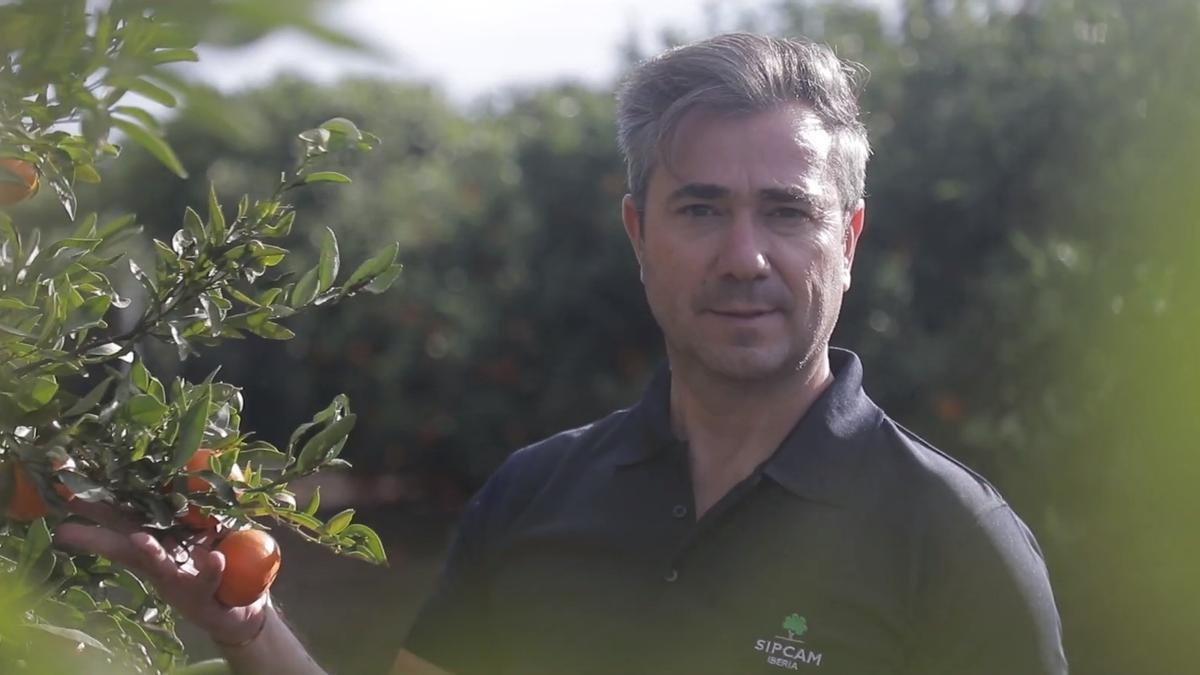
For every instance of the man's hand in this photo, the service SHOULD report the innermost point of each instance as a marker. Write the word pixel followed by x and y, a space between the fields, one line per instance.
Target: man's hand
pixel 185 579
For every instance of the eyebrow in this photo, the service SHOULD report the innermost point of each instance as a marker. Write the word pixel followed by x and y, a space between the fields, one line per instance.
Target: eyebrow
pixel 790 194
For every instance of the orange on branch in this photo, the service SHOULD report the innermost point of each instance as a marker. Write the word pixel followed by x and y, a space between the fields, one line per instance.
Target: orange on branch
pixel 252 560
pixel 26 503
pixel 202 461
pixel 18 181
pixel 195 518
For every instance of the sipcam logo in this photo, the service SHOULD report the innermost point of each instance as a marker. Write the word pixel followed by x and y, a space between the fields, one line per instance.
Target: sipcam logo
pixel 789 652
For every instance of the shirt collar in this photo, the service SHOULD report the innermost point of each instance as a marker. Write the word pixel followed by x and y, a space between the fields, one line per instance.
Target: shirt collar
pixel 818 459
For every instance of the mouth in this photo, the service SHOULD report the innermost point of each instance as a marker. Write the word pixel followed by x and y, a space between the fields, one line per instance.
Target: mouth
pixel 743 314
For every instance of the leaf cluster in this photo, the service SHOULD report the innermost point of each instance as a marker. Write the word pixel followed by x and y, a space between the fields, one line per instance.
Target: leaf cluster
pixel 81 414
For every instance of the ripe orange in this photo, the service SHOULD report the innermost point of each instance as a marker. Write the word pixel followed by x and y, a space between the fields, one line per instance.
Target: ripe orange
pixel 195 518
pixel 252 561
pixel 19 182
pixel 26 503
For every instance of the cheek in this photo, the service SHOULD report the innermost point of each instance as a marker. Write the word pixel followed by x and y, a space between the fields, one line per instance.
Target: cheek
pixel 816 269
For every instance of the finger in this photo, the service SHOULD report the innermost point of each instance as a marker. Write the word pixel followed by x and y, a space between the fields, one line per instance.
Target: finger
pixel 210 565
pixel 103 514
pixel 98 541
pixel 156 561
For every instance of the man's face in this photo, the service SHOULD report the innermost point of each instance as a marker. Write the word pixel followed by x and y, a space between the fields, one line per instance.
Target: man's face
pixel 744 246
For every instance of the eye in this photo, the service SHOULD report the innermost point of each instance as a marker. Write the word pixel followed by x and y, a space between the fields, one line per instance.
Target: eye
pixel 788 212
pixel 698 210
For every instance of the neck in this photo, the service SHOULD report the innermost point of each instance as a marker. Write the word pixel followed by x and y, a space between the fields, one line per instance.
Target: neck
pixel 733 426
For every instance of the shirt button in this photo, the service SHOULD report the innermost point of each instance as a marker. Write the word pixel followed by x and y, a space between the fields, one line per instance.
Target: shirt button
pixel 679 511
pixel 671 576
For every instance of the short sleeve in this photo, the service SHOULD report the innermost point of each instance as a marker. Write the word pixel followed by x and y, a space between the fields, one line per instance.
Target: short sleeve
pixel 452 629
pixel 987 608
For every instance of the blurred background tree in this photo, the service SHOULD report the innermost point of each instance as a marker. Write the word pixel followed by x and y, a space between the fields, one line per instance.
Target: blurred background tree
pixel 1026 295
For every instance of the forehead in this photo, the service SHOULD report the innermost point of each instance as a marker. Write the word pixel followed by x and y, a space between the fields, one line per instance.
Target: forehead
pixel 784 146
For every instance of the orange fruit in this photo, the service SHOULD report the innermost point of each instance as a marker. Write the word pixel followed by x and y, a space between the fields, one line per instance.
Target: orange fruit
pixel 252 561
pixel 26 503
pixel 201 461
pixel 197 520
pixel 19 182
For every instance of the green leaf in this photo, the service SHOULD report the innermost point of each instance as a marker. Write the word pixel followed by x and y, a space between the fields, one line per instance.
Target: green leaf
pixel 273 331
pixel 76 636
pixel 146 410
pixel 89 400
pixel 150 90
pixel 86 228
pixel 89 315
pixel 282 227
pixel 116 225
pixel 35 546
pixel 13 330
pixel 368 542
pixel 306 289
pixel 384 281
pixel 343 126
pixel 216 219
pixel 145 382
pixel 299 518
pixel 207 667
pixel 314 503
pixel 84 488
pixel 325 444
pixel 373 267
pixel 327 269
pixel 191 430
pixel 326 177
pixel 194 225
pixel 139 114
pixel 161 56
pixel 35 392
pixel 106 349
pixel 86 173
pixel 335 409
pixel 15 304
pixel 128 581
pixel 339 521
pixel 270 256
pixel 219 483
pixel 147 281
pixel 154 145
pixel 139 376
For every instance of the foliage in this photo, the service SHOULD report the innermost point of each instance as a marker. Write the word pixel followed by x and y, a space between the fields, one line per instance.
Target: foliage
pixel 80 412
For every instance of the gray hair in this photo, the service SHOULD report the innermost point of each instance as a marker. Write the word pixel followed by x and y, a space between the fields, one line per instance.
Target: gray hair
pixel 742 73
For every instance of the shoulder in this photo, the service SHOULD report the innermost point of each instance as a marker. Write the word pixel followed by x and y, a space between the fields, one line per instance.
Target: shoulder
pixel 958 520
pixel 534 464
pixel 529 471
pixel 928 482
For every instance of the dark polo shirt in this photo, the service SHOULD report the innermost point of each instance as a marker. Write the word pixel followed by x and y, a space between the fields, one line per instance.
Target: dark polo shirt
pixel 855 549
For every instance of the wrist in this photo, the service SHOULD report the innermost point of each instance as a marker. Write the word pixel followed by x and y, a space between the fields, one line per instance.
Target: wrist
pixel 244 639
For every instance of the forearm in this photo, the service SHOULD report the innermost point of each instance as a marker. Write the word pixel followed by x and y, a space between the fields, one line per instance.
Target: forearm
pixel 275 651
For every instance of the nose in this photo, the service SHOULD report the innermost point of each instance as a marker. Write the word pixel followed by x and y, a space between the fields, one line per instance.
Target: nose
pixel 743 253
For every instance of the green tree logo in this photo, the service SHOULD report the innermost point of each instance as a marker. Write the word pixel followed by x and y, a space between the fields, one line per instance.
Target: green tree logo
pixel 795 625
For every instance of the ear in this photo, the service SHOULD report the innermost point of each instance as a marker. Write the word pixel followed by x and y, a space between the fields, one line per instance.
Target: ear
pixel 633 225
pixel 854 229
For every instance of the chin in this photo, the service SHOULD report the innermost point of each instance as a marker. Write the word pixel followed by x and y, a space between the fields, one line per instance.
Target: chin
pixel 748 365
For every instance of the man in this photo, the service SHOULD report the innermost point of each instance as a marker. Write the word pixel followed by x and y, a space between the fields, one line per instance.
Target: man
pixel 755 512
